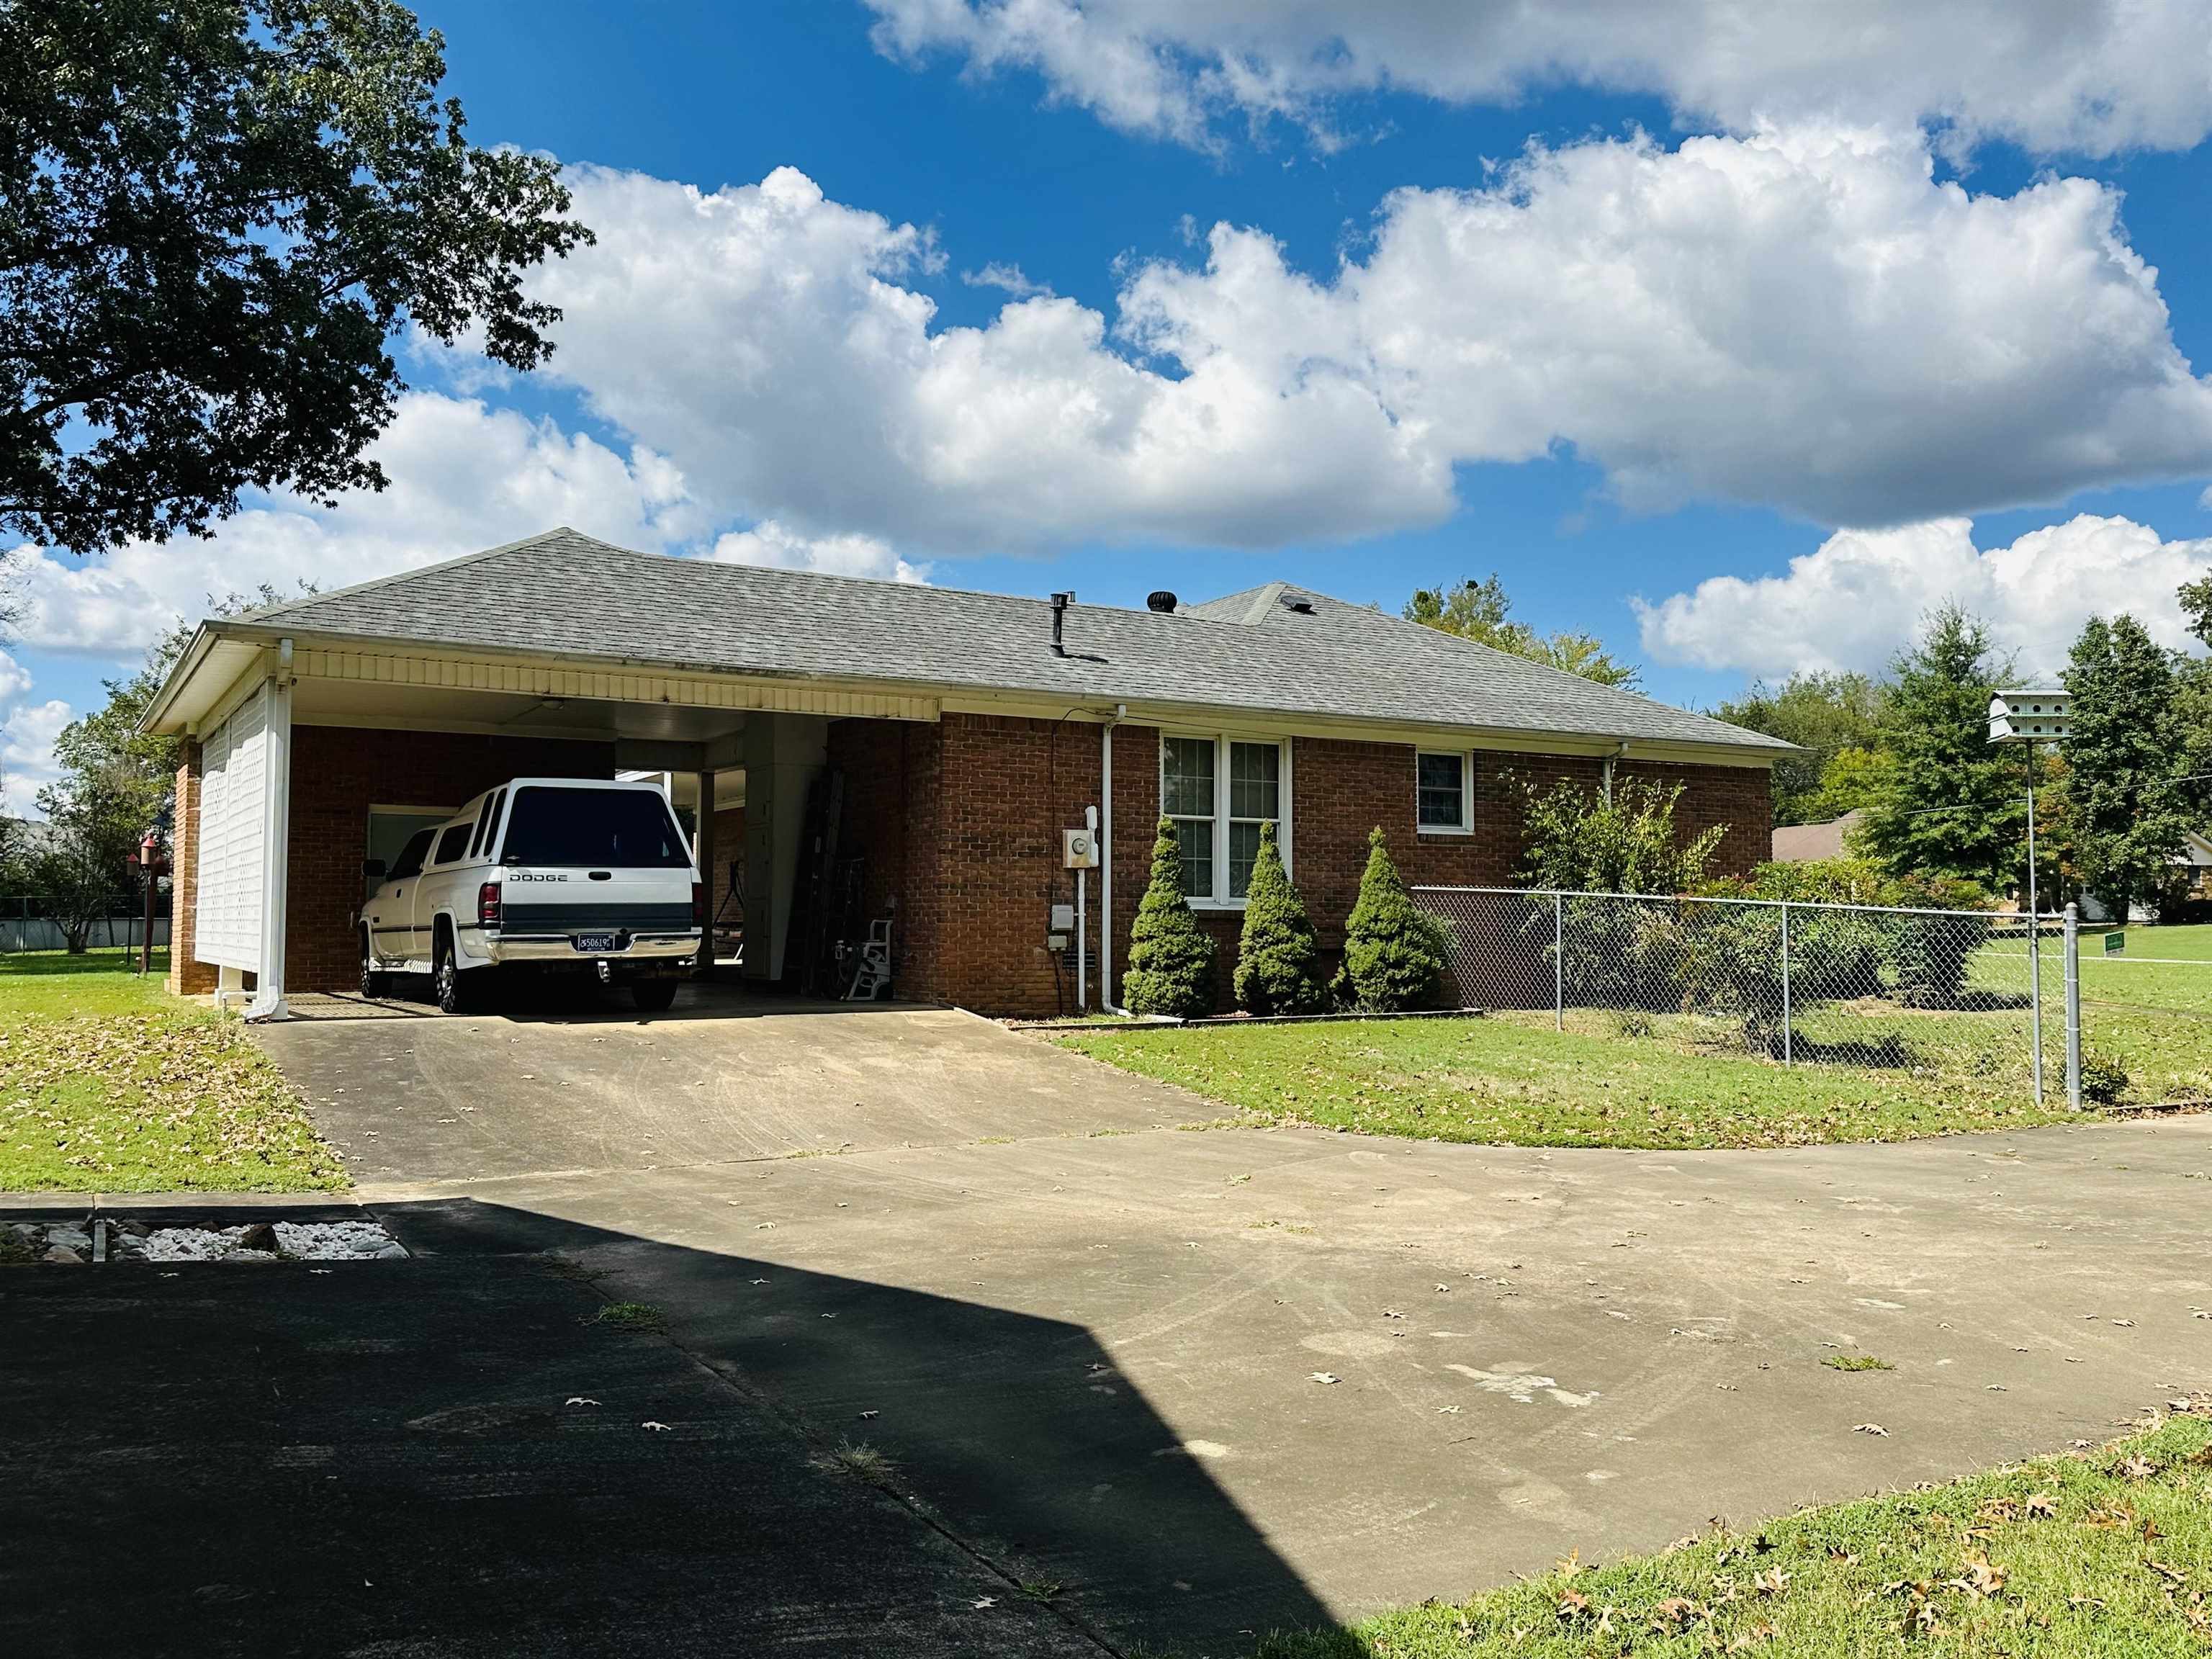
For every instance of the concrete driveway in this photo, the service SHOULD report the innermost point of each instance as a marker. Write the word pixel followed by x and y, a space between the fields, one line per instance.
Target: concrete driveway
pixel 724 1077
pixel 1094 1346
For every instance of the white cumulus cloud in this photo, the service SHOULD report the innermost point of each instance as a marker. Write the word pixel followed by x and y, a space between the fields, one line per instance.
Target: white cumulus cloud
pixel 1802 317
pixel 1007 277
pixel 1859 597
pixel 2088 76
pixel 29 726
pixel 772 543
pixel 463 477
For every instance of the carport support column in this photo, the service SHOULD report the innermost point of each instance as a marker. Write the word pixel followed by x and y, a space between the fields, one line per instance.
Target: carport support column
pixel 704 854
pixel 784 754
pixel 275 842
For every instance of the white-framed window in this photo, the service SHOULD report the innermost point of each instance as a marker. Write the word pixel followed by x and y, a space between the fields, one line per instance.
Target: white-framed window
pixel 1219 789
pixel 1443 793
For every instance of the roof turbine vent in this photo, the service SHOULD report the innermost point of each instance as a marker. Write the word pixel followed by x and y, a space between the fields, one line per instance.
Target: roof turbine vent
pixel 1161 601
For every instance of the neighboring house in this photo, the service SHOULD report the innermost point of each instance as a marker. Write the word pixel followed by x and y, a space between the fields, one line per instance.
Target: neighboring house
pixel 965 737
pixel 1814 843
pixel 2196 858
pixel 2192 864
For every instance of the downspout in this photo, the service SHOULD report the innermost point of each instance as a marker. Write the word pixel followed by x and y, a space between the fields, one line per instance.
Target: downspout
pixel 1106 861
pixel 1620 753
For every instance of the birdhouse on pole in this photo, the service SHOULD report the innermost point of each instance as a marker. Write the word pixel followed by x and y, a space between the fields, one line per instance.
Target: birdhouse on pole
pixel 2031 717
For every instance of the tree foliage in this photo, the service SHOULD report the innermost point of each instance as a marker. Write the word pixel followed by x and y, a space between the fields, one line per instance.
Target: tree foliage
pixel 1573 838
pixel 1481 611
pixel 1279 955
pixel 1394 952
pixel 2197 604
pixel 1950 804
pixel 1171 968
pixel 213 216
pixel 2126 755
pixel 1827 715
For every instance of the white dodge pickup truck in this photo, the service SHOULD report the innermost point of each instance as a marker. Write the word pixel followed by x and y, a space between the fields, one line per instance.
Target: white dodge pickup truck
pixel 539 875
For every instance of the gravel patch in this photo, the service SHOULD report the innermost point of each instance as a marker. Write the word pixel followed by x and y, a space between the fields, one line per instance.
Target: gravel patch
pixel 304 1240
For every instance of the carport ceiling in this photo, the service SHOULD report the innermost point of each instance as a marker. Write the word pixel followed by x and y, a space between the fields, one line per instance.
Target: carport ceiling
pixel 448 708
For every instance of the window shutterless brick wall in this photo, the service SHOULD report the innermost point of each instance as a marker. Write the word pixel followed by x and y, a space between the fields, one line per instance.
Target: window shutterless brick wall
pixel 990 871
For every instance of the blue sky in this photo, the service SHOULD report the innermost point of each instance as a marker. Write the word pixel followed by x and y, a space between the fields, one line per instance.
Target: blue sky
pixel 1603 404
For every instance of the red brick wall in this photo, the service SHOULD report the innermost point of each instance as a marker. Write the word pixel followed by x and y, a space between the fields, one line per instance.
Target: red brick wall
pixel 986 872
pixel 879 760
pixel 186 977
pixel 337 773
pixel 1008 786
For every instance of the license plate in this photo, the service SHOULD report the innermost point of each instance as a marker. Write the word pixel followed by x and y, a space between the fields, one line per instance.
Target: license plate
pixel 595 944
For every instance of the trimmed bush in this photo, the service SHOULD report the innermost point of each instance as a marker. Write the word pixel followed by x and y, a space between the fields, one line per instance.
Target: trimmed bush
pixel 1278 958
pixel 1393 950
pixel 1171 968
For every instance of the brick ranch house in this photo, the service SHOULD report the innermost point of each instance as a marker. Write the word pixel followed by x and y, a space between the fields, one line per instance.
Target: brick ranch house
pixel 321 733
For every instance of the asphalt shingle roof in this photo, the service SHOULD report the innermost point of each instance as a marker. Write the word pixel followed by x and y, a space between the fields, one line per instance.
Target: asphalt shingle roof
pixel 566 593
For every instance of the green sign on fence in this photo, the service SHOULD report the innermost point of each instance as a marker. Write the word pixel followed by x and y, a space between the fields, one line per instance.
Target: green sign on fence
pixel 2116 944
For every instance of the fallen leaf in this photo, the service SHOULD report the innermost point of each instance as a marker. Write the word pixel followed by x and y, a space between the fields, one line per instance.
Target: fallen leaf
pixel 2042 1506
pixel 1980 1578
pixel 579 1400
pixel 1324 1376
pixel 1869 1428
pixel 657 1428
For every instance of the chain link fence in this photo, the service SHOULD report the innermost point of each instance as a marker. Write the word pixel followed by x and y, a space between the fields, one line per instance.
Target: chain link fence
pixel 1801 984
pixel 26 923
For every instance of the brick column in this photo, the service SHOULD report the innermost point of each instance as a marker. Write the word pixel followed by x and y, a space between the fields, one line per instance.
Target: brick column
pixel 186 977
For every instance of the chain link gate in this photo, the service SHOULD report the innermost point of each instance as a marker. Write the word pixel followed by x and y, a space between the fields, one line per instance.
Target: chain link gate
pixel 1991 994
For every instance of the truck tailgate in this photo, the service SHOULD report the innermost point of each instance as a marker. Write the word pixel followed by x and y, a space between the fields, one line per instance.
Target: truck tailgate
pixel 539 902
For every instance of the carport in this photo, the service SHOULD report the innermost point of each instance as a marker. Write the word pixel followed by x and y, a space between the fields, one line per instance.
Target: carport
pixel 309 753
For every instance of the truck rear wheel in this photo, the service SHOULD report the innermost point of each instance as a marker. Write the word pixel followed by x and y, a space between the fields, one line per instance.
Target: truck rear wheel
pixel 456 991
pixel 653 996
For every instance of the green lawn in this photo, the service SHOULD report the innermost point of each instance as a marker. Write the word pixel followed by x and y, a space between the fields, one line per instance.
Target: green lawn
pixel 107 1084
pixel 1867 1069
pixel 2192 944
pixel 2099 1555
pixel 1499 1079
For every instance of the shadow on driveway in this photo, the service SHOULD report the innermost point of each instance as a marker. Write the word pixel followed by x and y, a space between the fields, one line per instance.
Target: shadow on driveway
pixel 448 1455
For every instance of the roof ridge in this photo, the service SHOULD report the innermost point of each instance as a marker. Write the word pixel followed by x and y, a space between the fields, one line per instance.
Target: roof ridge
pixel 266 613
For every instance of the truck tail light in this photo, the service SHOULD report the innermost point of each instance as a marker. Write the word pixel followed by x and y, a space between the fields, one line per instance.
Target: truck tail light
pixel 487 904
pixel 698 905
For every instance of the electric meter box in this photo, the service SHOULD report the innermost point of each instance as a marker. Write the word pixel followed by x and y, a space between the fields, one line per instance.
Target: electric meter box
pixel 1078 849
